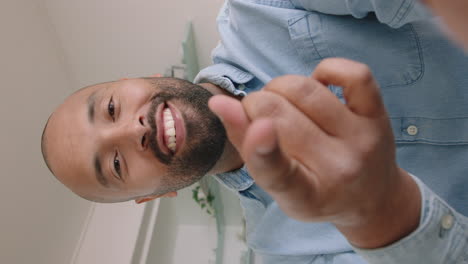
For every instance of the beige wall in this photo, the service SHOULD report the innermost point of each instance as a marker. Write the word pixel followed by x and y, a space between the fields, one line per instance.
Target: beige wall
pixel 109 39
pixel 40 221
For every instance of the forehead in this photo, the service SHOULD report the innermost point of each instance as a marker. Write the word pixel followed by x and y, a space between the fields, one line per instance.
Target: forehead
pixel 70 141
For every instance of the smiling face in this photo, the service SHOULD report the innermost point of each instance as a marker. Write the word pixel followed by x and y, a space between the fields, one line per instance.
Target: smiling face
pixel 129 139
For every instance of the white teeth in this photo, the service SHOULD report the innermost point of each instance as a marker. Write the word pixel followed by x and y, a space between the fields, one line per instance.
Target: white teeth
pixel 169 123
pixel 169 127
pixel 172 146
pixel 168 115
pixel 170 132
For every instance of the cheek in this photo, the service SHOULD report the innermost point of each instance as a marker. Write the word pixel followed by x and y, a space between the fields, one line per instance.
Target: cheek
pixel 145 174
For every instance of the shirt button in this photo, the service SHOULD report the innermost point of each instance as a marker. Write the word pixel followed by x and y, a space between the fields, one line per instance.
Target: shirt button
pixel 241 87
pixel 412 130
pixel 447 221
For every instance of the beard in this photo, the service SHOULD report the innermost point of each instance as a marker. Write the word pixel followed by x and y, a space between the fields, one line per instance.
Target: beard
pixel 205 134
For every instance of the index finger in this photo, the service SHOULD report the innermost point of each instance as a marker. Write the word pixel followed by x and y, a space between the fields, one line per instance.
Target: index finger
pixel 359 86
pixel 315 100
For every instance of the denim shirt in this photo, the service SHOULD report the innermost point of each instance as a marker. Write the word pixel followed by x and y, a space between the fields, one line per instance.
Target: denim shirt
pixel 424 83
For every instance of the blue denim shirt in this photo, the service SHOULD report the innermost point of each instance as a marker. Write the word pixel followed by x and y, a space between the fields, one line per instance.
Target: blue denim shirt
pixel 424 82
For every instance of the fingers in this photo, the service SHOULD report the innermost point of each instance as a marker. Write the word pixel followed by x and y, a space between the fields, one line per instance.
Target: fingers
pixel 315 100
pixel 359 86
pixel 284 178
pixel 294 128
pixel 277 171
pixel 232 114
pixel 264 158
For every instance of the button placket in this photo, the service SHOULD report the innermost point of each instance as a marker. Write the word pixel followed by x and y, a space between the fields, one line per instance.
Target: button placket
pixel 412 130
pixel 446 223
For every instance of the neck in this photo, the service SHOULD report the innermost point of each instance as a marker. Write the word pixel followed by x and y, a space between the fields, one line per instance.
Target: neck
pixel 230 159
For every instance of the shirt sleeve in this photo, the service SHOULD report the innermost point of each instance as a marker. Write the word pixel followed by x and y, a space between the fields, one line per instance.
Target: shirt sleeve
pixel 394 13
pixel 228 77
pixel 442 236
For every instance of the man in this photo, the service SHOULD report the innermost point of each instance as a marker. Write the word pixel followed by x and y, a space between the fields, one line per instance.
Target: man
pixel 99 143
pixel 109 141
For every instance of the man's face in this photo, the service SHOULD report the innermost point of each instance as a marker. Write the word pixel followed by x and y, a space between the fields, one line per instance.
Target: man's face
pixel 128 139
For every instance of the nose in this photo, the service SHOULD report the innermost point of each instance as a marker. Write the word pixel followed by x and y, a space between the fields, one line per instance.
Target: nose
pixel 134 132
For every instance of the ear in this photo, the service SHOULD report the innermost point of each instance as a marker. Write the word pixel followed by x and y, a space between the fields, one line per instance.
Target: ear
pixel 152 197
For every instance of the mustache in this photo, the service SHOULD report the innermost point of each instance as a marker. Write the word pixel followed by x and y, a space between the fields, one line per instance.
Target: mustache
pixel 156 101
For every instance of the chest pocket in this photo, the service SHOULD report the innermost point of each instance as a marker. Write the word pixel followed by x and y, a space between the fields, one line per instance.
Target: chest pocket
pixel 394 55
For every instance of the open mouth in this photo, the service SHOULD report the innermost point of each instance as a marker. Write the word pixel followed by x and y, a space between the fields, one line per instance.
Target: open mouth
pixel 171 130
pixel 170 139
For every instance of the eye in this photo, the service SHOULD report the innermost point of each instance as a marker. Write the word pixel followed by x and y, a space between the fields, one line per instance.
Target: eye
pixel 111 108
pixel 117 164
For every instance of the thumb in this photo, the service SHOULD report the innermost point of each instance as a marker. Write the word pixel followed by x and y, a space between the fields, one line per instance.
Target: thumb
pixel 232 114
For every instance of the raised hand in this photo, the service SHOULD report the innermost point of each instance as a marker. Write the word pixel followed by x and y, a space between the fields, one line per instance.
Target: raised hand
pixel 322 160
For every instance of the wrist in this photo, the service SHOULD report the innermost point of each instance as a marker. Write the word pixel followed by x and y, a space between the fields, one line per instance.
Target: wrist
pixel 388 220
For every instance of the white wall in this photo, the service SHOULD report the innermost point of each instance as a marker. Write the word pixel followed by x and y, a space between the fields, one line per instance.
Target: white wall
pixel 187 212
pixel 195 244
pixel 110 234
pixel 181 237
pixel 164 237
pixel 109 39
pixel 40 219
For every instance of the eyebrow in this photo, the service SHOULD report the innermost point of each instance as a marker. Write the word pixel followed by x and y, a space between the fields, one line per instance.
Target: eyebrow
pixel 91 106
pixel 91 102
pixel 99 175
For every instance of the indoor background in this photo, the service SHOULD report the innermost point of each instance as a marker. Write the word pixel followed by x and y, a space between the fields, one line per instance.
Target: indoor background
pixel 50 48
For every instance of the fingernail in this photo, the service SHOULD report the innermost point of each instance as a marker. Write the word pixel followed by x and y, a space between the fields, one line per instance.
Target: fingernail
pixel 265 149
